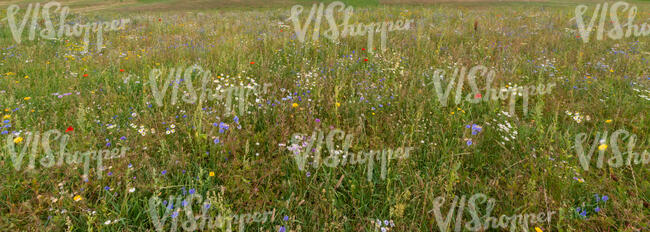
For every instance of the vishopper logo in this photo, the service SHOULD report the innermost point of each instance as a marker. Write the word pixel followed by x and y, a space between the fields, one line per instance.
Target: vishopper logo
pixel 179 206
pixel 491 94
pixel 33 138
pixel 485 222
pixel 600 143
pixel 360 29
pixel 49 32
pixel 301 146
pixel 617 31
pixel 191 96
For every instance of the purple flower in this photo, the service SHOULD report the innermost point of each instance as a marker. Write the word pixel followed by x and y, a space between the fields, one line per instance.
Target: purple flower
pixel 175 214
pixel 308 174
pixel 110 173
pixel 216 141
pixel 183 203
pixel 605 198
pixel 584 213
pixel 192 191
pixel 123 138
pixel 286 218
pixel 207 206
pixel 163 172
pixel 282 229
pixel 107 188
pixel 317 120
pixel 469 142
pixel 597 209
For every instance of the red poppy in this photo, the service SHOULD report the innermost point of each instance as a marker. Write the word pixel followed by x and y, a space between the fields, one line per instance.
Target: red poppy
pixel 159 20
pixel 85 75
pixel 252 62
pixel 363 49
pixel 365 60
pixel 121 70
pixel 69 129
pixel 280 30
pixel 478 95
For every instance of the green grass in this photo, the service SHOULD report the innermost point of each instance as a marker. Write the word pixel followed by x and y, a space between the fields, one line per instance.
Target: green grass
pixel 525 43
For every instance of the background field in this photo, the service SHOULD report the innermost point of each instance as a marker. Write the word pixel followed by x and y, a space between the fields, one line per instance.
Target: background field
pixel 382 101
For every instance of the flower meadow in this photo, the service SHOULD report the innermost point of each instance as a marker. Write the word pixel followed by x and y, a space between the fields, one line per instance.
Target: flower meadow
pixel 217 116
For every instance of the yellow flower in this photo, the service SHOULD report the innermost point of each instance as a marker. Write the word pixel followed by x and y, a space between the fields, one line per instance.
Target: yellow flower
pixel 608 121
pixel 77 198
pixel 294 105
pixel 338 104
pixel 602 147
pixel 27 98
pixel 611 70
pixel 26 77
pixel 537 229
pixel 18 139
pixel 211 173
pixel 6 116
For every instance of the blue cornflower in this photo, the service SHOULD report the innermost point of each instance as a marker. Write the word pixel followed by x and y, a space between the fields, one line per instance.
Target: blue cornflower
pixel 5 132
pixel 282 229
pixel 216 140
pixel 107 188
pixel 192 191
pixel 236 119
pixel 175 214
pixel 122 138
pixel 163 172
pixel 5 121
pixel 183 203
pixel 584 213
pixel 207 206
pixel 286 218
pixel 469 142
pixel 597 209
pixel 605 198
